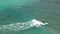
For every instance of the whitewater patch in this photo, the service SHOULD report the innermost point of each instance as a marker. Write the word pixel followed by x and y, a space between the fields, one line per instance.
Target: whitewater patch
pixel 17 26
pixel 21 26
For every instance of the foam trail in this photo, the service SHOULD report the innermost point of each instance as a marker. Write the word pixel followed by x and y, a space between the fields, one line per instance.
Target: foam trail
pixel 16 26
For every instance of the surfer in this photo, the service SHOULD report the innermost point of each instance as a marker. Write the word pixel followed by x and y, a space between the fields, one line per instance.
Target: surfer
pixel 42 20
pixel 38 23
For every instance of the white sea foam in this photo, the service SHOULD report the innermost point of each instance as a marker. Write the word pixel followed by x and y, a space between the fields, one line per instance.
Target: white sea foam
pixel 16 26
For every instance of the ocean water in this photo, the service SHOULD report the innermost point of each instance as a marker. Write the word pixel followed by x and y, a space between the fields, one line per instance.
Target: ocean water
pixel 22 11
pixel 10 17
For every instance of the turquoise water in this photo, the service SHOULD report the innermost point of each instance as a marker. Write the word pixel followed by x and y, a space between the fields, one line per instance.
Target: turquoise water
pixel 13 11
pixel 10 15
